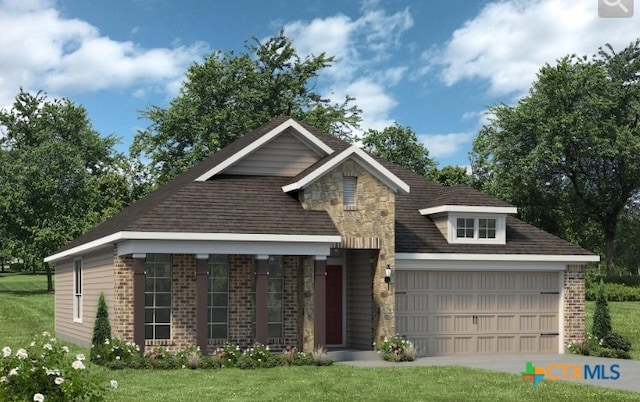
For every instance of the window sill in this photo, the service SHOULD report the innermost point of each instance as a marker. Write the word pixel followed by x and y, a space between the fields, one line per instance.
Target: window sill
pixel 350 207
pixel 158 342
pixel 77 320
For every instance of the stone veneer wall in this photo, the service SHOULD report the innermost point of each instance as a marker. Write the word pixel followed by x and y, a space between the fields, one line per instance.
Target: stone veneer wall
pixel 371 221
pixel 574 288
pixel 305 303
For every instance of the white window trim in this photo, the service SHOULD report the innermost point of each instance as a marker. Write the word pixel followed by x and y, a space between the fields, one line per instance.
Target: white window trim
pixel 77 295
pixel 452 223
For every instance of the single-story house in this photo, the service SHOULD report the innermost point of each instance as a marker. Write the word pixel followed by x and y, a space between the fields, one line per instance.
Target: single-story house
pixel 290 236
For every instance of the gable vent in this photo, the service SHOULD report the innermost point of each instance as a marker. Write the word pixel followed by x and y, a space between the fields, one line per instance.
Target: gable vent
pixel 349 184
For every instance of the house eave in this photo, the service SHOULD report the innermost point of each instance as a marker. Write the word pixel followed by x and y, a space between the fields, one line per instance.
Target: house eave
pixel 569 259
pixel 181 242
pixel 468 209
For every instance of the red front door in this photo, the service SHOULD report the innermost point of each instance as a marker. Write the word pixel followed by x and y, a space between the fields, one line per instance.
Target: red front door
pixel 334 304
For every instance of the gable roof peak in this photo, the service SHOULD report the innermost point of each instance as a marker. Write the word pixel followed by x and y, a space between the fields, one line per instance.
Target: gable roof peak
pixel 312 141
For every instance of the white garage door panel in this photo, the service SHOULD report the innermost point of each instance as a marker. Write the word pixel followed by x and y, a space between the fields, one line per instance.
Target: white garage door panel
pixel 447 313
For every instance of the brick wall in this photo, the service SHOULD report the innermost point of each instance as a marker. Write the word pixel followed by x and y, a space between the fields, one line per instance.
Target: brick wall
pixel 183 315
pixel 121 316
pixel 574 302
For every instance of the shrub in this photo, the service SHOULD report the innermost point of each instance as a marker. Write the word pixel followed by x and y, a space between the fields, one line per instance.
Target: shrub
pixel 584 346
pixel 227 355
pixel 46 371
pixel 611 353
pixel 101 332
pixel 601 318
pixel 117 354
pixel 190 357
pixel 396 349
pixel 257 356
pixel 615 292
pixel 161 358
pixel 320 357
pixel 616 341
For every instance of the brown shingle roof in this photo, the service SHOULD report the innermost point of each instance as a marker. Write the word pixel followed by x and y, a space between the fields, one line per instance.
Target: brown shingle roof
pixel 251 204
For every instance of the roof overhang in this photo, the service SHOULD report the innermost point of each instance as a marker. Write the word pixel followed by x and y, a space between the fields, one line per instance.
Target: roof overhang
pixel 205 243
pixel 468 209
pixel 365 160
pixel 489 262
pixel 305 135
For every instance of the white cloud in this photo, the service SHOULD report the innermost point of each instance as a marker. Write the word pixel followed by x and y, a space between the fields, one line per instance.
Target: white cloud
pixel 40 49
pixel 508 42
pixel 445 145
pixel 360 47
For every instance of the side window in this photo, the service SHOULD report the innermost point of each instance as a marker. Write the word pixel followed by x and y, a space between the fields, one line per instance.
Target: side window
pixel 77 290
pixel 465 228
pixel 157 297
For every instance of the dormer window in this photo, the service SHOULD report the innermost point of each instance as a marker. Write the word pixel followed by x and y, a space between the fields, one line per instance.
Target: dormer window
pixel 476 228
pixel 465 228
pixel 486 228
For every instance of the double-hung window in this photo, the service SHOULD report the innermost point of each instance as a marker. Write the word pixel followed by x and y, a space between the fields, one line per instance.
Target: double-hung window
pixel 275 305
pixel 157 297
pixel 77 290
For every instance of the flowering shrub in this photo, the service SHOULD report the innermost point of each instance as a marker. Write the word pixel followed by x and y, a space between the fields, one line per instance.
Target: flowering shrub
pixel 161 358
pixel 291 357
pixel 585 345
pixel 227 355
pixel 46 371
pixel 116 353
pixel 396 349
pixel 257 356
pixel 190 357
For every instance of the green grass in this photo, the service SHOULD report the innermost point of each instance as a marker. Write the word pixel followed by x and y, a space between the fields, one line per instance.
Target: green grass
pixel 625 319
pixel 25 310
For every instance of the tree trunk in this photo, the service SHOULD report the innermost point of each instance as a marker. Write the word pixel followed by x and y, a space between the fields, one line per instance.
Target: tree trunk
pixel 609 227
pixel 47 268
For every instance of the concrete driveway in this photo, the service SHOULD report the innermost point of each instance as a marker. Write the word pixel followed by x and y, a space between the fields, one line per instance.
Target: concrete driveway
pixel 600 371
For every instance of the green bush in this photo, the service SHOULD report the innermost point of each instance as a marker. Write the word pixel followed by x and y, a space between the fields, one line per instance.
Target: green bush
pixel 615 292
pixel 616 341
pixel 257 356
pixel 610 353
pixel 584 346
pixel 101 332
pixel 601 317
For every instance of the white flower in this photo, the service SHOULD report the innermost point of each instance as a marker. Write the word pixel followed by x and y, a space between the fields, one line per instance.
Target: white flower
pixel 117 357
pixel 4 380
pixel 114 384
pixel 14 371
pixel 58 380
pixel 38 397
pixel 46 334
pixel 80 357
pixel 6 351
pixel 32 344
pixel 21 354
pixel 65 349
pixel 78 365
pixel 53 340
pixel 106 341
pixel 47 346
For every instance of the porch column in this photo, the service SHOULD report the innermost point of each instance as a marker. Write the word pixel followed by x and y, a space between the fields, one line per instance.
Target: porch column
pixel 319 301
pixel 202 290
pixel 262 274
pixel 138 300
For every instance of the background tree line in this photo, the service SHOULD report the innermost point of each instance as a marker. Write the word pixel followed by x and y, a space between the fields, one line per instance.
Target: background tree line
pixel 566 154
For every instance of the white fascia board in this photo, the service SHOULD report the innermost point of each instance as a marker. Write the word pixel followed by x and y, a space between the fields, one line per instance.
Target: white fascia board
pixel 468 209
pixel 182 236
pixel 371 165
pixel 86 247
pixel 206 247
pixel 263 140
pixel 498 257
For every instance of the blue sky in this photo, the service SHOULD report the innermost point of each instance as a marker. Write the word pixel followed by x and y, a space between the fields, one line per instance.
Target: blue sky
pixel 432 65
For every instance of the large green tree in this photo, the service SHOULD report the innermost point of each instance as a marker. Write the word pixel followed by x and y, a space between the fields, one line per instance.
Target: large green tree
pixel 57 176
pixel 400 145
pixel 229 94
pixel 568 154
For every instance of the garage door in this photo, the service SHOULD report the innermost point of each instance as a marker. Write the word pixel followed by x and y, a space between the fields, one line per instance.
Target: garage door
pixel 450 313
